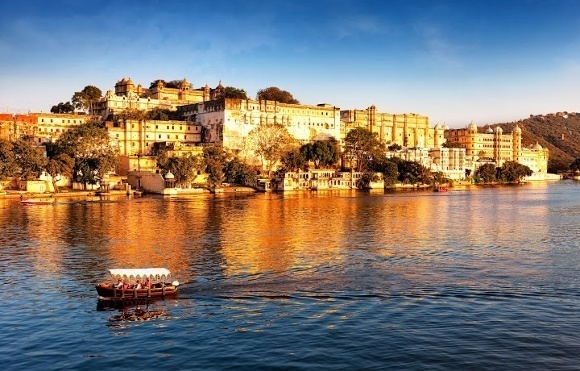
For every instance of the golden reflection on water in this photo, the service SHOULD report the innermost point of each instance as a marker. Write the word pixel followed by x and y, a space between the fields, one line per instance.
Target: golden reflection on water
pixel 417 235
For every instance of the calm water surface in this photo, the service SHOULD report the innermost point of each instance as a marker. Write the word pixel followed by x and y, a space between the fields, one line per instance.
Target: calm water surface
pixel 476 278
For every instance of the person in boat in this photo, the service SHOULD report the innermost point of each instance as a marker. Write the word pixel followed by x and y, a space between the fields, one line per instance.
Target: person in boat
pixel 138 285
pixel 126 285
pixel 119 284
pixel 147 284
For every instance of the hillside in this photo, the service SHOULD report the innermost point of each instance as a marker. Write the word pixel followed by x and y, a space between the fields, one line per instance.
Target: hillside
pixel 559 132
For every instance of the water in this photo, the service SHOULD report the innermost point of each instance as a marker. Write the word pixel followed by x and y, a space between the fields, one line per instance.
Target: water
pixel 476 278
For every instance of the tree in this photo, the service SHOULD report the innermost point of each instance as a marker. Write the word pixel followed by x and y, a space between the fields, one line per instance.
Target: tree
pixel 487 173
pixel 8 166
pixel 63 108
pixel 29 159
pixel 184 168
pixel 361 145
pixel 232 92
pixel 237 172
pixel 90 146
pixel 270 141
pixel 60 164
pixel 324 153
pixel 84 99
pixel 512 171
pixel 157 113
pixel 394 147
pixel 412 172
pixel 295 159
pixel 214 160
pixel 274 93
pixel 386 166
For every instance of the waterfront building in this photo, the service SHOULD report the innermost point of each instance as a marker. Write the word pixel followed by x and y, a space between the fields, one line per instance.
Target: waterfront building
pixel 229 121
pixel 406 130
pixel 128 96
pixel 321 179
pixel 493 146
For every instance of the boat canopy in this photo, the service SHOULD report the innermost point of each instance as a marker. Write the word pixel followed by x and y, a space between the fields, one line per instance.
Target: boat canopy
pixel 133 274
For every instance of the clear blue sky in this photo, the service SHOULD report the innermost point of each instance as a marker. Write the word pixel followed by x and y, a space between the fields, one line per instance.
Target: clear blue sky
pixel 454 61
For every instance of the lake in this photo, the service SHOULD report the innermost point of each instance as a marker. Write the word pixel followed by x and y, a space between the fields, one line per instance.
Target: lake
pixel 474 278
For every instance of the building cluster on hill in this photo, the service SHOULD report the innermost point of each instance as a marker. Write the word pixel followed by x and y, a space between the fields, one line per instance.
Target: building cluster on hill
pixel 207 117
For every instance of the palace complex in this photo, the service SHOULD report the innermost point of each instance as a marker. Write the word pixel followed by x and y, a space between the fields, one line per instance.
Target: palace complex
pixel 497 147
pixel 406 130
pixel 209 118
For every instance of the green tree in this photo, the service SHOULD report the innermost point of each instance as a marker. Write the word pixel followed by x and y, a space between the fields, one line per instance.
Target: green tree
pixel 63 108
pixel 184 168
pixel 59 164
pixel 30 159
pixel 8 166
pixel 214 160
pixel 234 93
pixel 90 146
pixel 270 141
pixel 157 113
pixel 394 147
pixel 237 172
pixel 295 159
pixel 84 99
pixel 324 153
pixel 487 173
pixel 512 171
pixel 361 146
pixel 386 166
pixel 274 93
pixel 412 172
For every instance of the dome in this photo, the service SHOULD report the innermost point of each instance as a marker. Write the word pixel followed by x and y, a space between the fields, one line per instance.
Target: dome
pixel 498 130
pixel 537 146
pixel 517 129
pixel 445 127
pixel 472 126
pixel 169 175
pixel 489 130
pixel 437 127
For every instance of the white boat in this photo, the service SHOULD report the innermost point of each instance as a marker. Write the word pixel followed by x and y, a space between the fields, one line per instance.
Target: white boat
pixel 161 286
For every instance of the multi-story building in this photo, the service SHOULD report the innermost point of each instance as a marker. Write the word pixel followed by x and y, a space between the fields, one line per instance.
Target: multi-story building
pixel 496 147
pixel 407 130
pixel 140 137
pixel 127 96
pixel 41 127
pixel 15 126
pixel 229 121
pixel 50 126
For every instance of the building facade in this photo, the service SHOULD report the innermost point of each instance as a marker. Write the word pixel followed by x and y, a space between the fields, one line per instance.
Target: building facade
pixel 494 146
pixel 40 127
pixel 407 130
pixel 229 121
pixel 141 137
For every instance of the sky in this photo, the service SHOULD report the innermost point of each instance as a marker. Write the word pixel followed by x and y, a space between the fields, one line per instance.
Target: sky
pixel 453 61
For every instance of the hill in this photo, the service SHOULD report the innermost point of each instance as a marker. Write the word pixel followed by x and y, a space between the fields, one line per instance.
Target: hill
pixel 559 132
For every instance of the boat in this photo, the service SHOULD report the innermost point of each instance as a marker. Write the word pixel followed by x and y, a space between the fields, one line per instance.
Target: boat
pixel 160 285
pixel 441 188
pixel 37 201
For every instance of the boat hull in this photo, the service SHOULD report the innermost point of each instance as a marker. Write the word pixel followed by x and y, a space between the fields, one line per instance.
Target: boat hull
pixel 106 291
